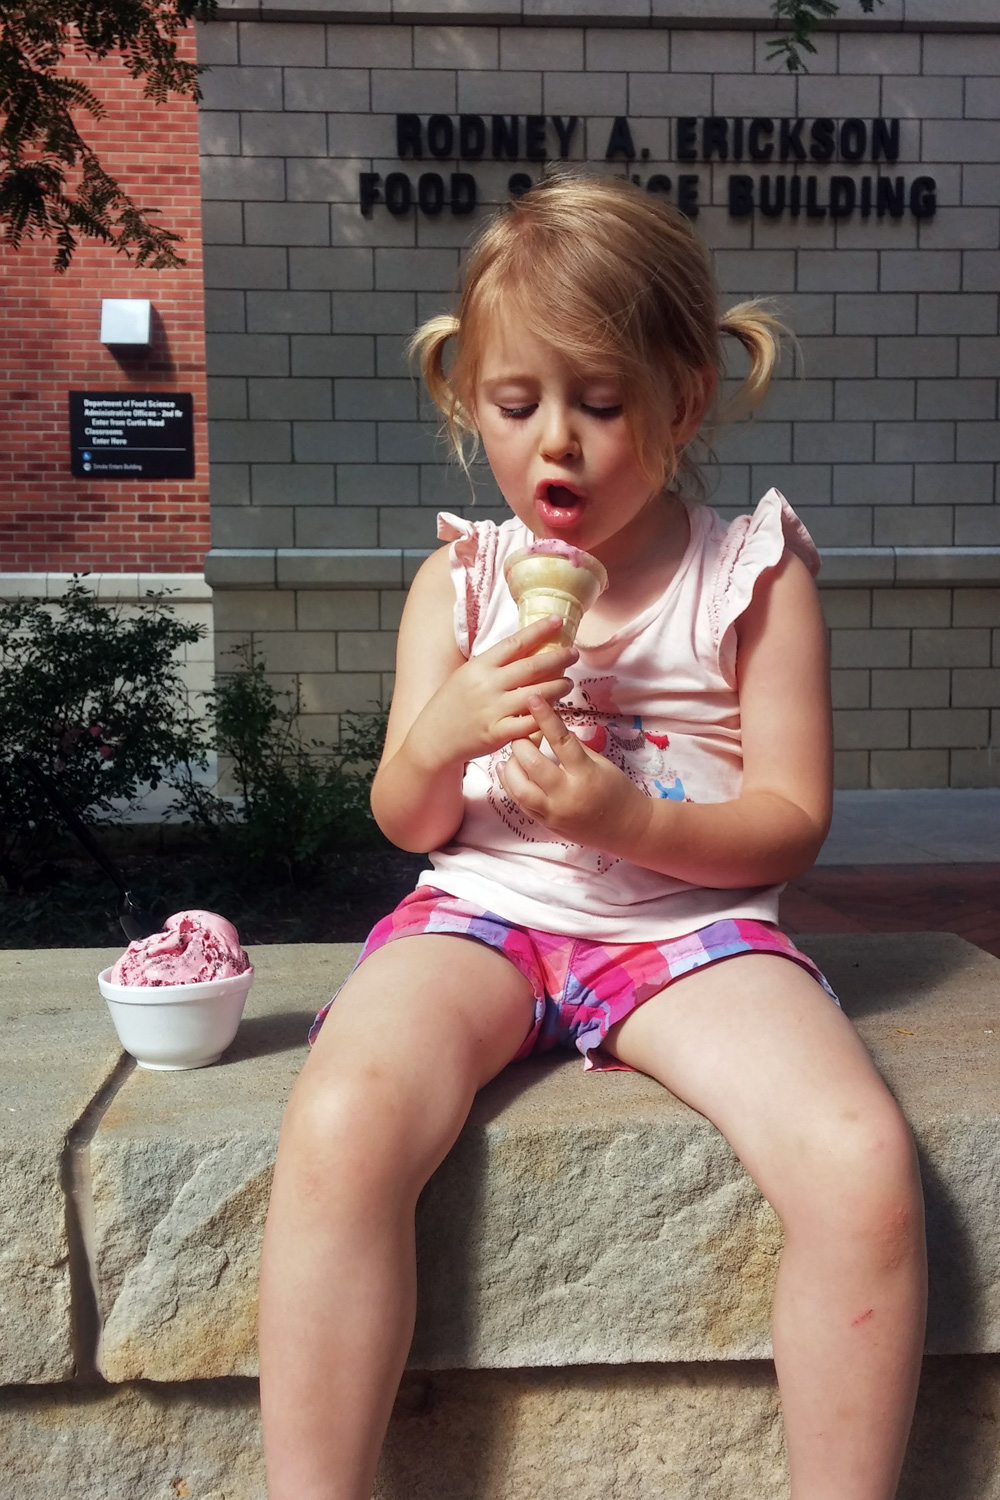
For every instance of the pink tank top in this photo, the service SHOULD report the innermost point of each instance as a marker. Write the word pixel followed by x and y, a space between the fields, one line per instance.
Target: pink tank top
pixel 658 698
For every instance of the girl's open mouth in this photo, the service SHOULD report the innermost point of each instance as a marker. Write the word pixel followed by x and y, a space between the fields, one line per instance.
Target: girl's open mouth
pixel 558 505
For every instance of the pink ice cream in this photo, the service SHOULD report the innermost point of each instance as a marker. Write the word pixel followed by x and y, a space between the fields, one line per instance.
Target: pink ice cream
pixel 193 946
pixel 553 546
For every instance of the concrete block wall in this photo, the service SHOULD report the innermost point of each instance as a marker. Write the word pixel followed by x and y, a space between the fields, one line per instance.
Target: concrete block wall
pixel 332 650
pixel 916 684
pixel 916 671
pixel 881 428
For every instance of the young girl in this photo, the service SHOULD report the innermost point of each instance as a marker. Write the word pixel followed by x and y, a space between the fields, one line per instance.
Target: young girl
pixel 614 887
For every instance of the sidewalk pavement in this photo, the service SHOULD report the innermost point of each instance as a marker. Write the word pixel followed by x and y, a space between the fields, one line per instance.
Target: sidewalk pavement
pixel 922 827
pixel 920 861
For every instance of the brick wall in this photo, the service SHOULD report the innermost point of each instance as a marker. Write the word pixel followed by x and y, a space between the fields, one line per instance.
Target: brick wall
pixel 51 330
pixel 327 471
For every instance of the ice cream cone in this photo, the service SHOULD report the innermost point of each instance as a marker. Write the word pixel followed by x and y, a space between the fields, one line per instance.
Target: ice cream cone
pixel 552 578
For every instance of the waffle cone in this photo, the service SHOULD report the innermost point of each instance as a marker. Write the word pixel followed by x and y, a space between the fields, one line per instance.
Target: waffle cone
pixel 538 604
pixel 544 583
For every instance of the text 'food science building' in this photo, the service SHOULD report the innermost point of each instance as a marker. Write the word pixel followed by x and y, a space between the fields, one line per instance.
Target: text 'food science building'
pixel 347 156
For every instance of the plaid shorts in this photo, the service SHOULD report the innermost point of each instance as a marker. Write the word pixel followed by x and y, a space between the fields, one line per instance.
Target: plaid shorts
pixel 581 988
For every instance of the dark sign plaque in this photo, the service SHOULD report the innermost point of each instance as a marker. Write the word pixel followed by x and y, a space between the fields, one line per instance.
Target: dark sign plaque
pixel 131 435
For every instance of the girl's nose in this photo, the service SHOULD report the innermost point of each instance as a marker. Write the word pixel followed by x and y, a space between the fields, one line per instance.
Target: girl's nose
pixel 559 439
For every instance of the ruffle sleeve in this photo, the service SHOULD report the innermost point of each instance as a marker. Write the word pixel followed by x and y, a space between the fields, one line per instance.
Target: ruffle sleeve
pixel 751 545
pixel 472 561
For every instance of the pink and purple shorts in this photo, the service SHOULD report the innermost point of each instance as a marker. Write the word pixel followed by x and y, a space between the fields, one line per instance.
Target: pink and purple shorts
pixel 581 988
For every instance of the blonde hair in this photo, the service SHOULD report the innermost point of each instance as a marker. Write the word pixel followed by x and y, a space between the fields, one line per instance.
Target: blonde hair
pixel 614 279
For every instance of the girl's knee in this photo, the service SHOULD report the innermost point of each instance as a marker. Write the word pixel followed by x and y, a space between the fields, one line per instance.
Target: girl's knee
pixel 862 1180
pixel 364 1124
pixel 888 1200
pixel 326 1125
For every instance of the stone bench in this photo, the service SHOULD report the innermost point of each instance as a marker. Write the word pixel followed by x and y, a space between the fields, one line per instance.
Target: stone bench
pixel 596 1269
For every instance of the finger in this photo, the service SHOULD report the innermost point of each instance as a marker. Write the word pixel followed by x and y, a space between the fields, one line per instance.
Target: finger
pixel 518 784
pixel 565 746
pixel 527 641
pixel 514 704
pixel 515 727
pixel 539 671
pixel 540 770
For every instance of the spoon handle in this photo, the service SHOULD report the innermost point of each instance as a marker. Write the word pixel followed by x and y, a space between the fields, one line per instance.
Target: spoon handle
pixel 72 822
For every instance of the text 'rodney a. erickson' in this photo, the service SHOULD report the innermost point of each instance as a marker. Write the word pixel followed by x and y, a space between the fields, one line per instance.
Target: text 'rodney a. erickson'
pixel 711 138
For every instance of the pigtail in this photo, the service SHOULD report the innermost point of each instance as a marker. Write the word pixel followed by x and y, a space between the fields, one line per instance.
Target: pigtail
pixel 761 334
pixel 428 346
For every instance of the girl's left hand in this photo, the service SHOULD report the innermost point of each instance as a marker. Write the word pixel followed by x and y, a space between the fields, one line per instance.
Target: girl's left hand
pixel 580 796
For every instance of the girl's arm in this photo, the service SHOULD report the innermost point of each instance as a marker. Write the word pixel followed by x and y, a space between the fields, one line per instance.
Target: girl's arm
pixel 416 793
pixel 447 710
pixel 775 828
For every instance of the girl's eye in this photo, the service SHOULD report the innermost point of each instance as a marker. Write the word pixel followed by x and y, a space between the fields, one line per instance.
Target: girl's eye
pixel 603 413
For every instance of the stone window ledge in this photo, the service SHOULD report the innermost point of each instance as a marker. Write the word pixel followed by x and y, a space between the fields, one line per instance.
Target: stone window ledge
pixel 180 588
pixel 894 15
pixel 393 568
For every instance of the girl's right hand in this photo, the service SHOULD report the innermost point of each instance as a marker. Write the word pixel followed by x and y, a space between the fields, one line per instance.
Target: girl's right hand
pixel 483 704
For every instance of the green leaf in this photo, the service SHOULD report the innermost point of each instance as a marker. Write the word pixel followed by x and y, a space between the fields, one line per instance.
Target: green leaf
pixel 295 801
pixel 803 17
pixel 52 183
pixel 96 698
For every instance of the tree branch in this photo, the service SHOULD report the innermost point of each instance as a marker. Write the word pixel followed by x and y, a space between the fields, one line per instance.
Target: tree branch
pixel 42 148
pixel 803 18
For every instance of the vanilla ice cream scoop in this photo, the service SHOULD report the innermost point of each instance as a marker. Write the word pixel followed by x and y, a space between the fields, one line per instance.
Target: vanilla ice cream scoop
pixel 552 578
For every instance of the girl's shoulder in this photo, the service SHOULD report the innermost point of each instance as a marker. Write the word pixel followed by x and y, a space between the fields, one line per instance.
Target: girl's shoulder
pixel 476 557
pixel 737 552
pixel 759 540
pixel 470 539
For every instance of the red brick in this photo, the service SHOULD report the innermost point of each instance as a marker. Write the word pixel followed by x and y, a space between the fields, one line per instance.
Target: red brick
pixel 897 898
pixel 49 519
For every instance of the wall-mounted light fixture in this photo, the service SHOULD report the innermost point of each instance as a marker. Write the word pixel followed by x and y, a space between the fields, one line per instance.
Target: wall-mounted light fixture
pixel 126 321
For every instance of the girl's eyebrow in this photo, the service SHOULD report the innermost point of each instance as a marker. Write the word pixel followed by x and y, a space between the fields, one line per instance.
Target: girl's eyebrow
pixel 510 376
pixel 513 377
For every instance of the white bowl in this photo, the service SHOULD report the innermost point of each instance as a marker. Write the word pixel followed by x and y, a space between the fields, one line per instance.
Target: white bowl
pixel 173 1026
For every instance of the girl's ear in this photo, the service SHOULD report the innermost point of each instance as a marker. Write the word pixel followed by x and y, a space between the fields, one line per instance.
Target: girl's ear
pixel 689 411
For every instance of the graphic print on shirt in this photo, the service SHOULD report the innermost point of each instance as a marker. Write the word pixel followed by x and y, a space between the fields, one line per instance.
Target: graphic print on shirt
pixel 590 712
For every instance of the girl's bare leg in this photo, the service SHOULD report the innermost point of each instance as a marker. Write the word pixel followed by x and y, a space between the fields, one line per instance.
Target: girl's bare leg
pixel 755 1045
pixel 423 1024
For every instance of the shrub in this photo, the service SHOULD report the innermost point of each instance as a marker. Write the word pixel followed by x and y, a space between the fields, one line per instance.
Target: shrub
pixel 94 695
pixel 296 800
